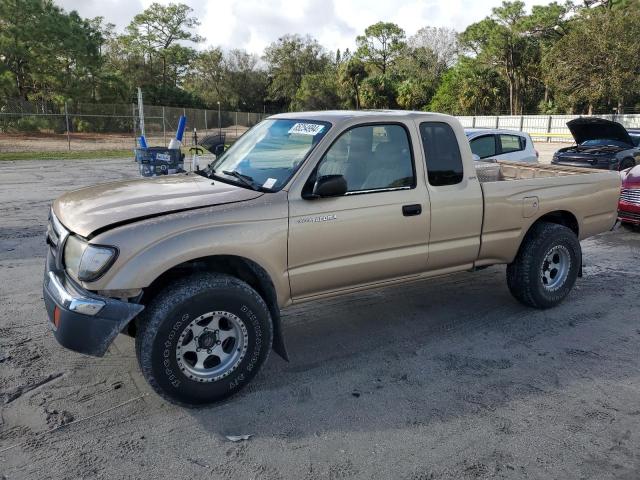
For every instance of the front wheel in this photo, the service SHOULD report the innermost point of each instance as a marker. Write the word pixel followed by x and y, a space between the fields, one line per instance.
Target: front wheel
pixel 203 338
pixel 546 267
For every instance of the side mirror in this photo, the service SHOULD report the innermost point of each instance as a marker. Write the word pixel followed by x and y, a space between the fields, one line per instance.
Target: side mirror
pixel 475 157
pixel 329 186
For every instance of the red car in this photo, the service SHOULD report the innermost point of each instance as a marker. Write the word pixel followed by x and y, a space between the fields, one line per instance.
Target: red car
pixel 629 204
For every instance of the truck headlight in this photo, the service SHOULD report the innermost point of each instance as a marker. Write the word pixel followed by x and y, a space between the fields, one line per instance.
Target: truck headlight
pixel 87 262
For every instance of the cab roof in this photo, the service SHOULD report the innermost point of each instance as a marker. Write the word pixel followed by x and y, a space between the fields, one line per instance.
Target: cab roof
pixel 492 131
pixel 338 116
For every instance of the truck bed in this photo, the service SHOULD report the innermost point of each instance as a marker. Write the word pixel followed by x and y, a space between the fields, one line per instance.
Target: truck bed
pixel 505 171
pixel 516 194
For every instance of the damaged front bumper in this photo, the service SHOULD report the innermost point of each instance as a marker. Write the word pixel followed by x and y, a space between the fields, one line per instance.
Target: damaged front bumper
pixel 81 320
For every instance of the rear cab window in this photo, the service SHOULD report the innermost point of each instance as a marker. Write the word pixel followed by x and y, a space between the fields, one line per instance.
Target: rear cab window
pixel 484 146
pixel 442 154
pixel 511 143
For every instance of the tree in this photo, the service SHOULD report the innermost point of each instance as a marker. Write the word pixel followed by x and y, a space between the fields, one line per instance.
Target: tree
pixel 289 59
pixel 351 74
pixel 317 91
pixel 381 45
pixel 208 76
pixel 47 52
pixel 160 31
pixel 442 41
pixel 379 91
pixel 247 82
pixel 470 88
pixel 497 41
pixel 419 72
pixel 606 72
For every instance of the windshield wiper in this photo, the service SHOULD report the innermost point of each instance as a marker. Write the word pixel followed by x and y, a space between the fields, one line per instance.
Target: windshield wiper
pixel 246 179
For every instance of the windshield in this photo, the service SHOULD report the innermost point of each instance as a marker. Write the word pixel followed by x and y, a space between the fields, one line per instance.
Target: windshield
pixel 270 153
pixel 636 140
pixel 602 142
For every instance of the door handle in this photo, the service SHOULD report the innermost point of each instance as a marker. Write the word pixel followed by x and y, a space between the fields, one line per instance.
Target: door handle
pixel 410 210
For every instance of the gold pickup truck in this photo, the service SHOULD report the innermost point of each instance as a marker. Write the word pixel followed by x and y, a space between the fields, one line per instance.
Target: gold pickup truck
pixel 197 266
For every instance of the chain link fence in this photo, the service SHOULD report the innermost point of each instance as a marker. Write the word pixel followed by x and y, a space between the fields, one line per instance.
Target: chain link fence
pixel 49 127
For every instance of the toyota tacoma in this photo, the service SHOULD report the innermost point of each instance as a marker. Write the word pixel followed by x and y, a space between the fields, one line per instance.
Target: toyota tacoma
pixel 198 266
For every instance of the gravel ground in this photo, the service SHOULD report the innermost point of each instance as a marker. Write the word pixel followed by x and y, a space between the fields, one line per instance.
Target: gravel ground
pixel 447 378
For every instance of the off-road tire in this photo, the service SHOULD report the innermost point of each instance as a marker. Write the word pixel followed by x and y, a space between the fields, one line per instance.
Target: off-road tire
pixel 524 276
pixel 168 315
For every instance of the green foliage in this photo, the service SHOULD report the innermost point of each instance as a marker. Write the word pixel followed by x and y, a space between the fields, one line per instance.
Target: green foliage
pixel 317 91
pixel 606 73
pixel 351 73
pixel 289 59
pixel 560 57
pixel 379 91
pixel 381 45
pixel 419 72
pixel 155 47
pixel 49 53
pixel 470 88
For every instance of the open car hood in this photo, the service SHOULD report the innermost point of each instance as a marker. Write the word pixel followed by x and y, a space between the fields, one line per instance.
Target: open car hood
pixel 590 128
pixel 97 208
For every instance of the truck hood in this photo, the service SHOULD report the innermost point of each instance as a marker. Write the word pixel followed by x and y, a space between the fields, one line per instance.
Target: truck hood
pixel 590 128
pixel 100 207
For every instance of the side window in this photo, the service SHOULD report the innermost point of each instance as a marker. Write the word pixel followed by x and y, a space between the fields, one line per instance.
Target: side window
pixel 442 154
pixel 484 146
pixel 371 157
pixel 511 143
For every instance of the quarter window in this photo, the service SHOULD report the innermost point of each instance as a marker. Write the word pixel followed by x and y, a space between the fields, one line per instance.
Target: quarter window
pixel 511 143
pixel 444 162
pixel 484 146
pixel 371 157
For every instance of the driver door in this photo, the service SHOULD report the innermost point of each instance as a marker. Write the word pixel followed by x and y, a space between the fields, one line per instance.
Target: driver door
pixel 377 231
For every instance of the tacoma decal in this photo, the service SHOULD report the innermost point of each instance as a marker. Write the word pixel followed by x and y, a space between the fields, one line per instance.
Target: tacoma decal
pixel 322 218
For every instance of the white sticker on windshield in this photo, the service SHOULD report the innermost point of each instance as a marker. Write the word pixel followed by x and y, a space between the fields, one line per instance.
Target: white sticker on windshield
pixel 306 128
pixel 269 183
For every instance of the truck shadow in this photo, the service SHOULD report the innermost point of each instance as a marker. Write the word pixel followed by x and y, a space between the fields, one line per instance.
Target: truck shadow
pixel 441 350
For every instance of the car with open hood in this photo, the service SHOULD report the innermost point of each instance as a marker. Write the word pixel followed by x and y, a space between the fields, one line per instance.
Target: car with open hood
pixel 197 266
pixel 601 144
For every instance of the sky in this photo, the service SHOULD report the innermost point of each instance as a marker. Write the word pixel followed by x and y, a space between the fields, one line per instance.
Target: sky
pixel 253 24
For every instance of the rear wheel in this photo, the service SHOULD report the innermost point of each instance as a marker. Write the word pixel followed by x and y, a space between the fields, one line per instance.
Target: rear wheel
pixel 203 338
pixel 546 267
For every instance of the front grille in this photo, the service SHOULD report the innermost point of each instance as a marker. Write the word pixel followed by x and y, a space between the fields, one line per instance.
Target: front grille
pixel 53 237
pixel 56 237
pixel 631 195
pixel 629 215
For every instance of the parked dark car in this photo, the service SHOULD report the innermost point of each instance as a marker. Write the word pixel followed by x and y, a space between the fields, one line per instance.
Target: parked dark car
pixel 600 144
pixel 629 204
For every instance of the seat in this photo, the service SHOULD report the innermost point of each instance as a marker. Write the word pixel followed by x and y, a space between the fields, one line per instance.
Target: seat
pixel 391 162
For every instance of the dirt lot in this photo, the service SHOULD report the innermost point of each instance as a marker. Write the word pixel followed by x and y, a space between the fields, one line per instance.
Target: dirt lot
pixel 448 378
pixel 50 142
